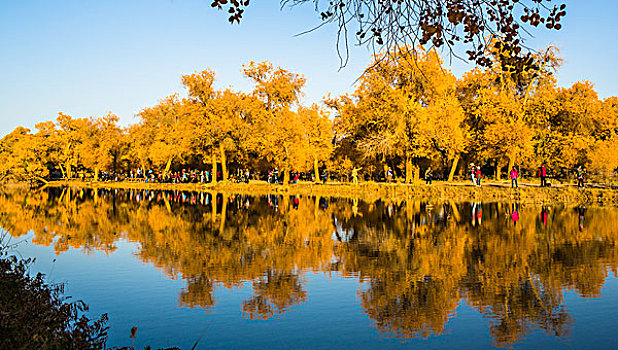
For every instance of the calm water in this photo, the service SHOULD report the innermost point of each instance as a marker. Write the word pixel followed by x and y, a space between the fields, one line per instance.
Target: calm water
pixel 318 273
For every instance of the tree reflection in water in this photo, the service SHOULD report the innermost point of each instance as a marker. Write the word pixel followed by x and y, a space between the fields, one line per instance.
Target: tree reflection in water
pixel 511 261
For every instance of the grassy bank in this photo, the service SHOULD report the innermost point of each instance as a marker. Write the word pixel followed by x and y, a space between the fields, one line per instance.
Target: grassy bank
pixel 370 191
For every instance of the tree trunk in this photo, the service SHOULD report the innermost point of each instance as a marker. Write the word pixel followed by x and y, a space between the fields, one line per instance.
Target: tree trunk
pixel 214 169
pixel 455 211
pixel 286 175
pixel 223 163
pixel 213 205
pixel 409 215
pixel 409 172
pixel 167 204
pixel 223 212
pixel 64 174
pixel 498 170
pixel 451 174
pixel 285 203
pixel 417 173
pixel 511 164
pixel 142 165
pixel 67 198
pixel 96 174
pixel 167 166
pixel 69 172
pixel 316 207
pixel 316 169
pixel 36 177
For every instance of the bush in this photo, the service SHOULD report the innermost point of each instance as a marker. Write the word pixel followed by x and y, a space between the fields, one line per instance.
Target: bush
pixel 36 315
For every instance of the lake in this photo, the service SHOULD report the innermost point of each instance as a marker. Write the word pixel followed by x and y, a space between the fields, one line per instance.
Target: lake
pixel 284 271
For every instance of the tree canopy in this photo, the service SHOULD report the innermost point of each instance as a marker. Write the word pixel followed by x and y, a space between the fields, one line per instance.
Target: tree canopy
pixel 406 114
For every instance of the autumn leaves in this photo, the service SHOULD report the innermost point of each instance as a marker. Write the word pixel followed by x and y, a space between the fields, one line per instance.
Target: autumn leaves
pixel 407 113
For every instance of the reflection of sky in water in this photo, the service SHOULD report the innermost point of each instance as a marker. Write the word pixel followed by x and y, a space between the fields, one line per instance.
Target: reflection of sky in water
pixel 135 293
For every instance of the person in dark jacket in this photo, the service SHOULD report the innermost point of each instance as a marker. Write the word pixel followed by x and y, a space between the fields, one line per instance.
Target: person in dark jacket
pixel 543 175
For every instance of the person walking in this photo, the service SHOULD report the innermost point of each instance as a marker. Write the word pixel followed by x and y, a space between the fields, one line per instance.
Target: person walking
pixel 478 175
pixel 543 175
pixel 355 175
pixel 472 174
pixel 389 175
pixel 514 176
pixel 580 177
pixel 428 176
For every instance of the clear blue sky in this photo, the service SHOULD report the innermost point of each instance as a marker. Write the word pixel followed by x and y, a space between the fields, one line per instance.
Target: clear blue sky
pixel 86 58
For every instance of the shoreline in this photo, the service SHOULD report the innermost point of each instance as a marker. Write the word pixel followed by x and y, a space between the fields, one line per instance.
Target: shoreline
pixel 371 191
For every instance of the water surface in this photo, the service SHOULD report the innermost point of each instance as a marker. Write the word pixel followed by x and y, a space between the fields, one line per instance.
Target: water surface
pixel 317 273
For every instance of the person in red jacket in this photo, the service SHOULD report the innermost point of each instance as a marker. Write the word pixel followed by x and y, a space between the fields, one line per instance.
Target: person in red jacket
pixel 478 176
pixel 543 175
pixel 514 176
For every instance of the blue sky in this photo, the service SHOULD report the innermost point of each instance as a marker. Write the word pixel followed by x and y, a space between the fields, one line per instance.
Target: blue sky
pixel 88 57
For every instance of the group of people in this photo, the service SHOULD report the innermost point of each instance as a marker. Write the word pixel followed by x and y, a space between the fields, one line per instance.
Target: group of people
pixel 241 175
pixel 273 176
pixel 475 175
pixel 183 176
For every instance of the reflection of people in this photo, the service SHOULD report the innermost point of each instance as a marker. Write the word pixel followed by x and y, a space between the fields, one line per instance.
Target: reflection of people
pixel 477 214
pixel 323 203
pixel 515 213
pixel 355 175
pixel 582 212
pixel 273 201
pixel 543 215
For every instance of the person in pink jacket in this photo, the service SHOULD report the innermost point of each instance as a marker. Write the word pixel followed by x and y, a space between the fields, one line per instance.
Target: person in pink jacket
pixel 514 176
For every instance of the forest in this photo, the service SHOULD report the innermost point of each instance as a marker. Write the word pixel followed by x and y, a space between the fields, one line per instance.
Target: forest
pixel 407 112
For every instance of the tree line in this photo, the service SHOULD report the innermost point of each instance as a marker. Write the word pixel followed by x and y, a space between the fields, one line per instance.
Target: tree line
pixel 407 112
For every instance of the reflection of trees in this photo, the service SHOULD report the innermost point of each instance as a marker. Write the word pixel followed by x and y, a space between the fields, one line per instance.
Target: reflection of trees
pixel 207 240
pixel 419 260
pixel 409 308
pixel 275 292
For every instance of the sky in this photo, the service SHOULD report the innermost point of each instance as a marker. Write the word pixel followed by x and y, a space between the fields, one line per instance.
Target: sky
pixel 89 57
